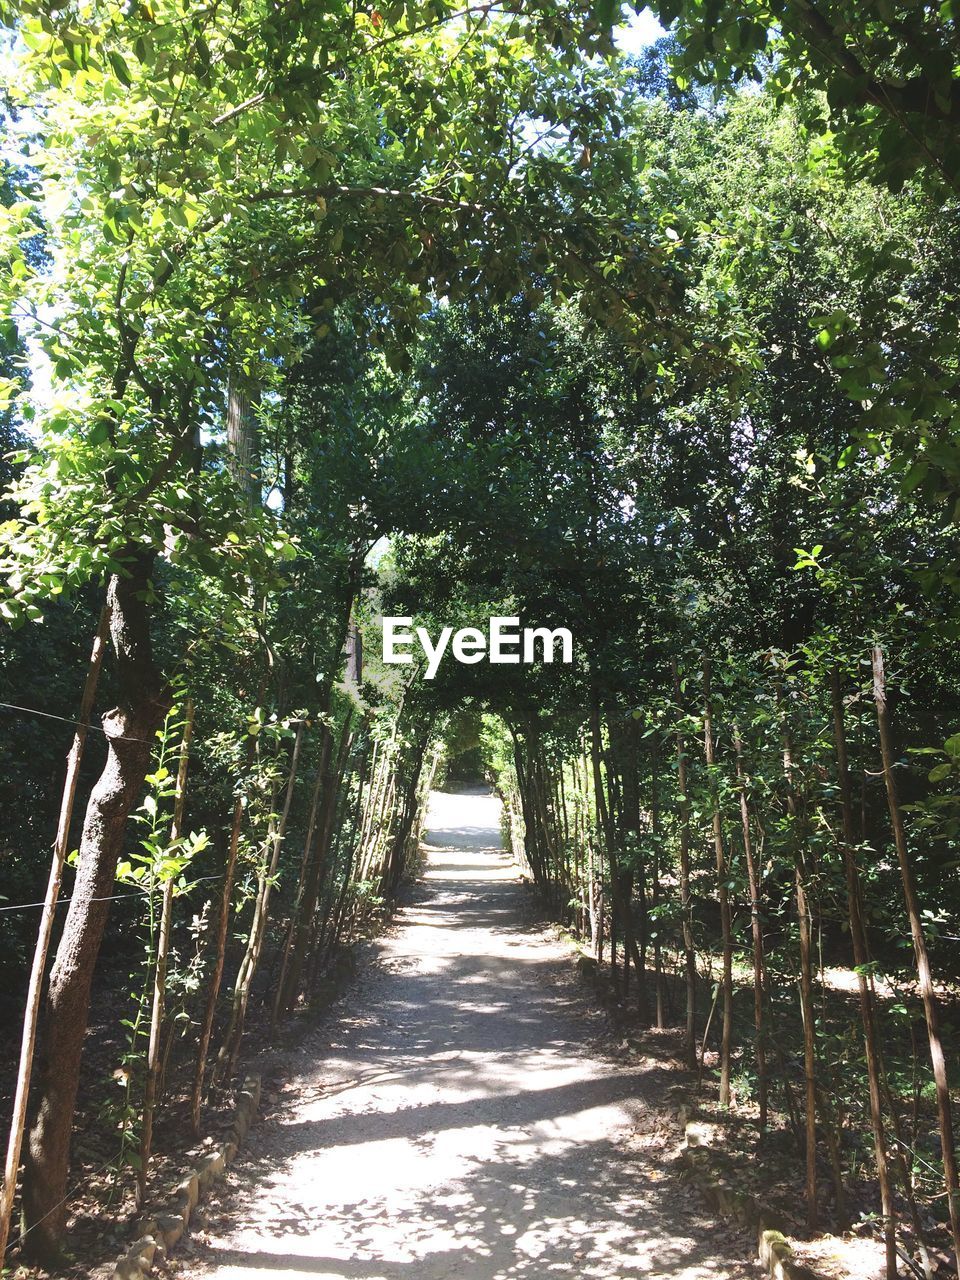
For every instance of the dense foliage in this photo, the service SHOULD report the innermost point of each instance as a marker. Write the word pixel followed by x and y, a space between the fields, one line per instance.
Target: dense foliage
pixel 456 312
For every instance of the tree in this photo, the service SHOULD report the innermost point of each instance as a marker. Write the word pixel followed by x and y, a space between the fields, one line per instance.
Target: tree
pixel 233 168
pixel 888 71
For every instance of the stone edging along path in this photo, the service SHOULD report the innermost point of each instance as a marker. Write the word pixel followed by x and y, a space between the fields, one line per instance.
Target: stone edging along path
pixel 773 1248
pixel 159 1234
pixel 774 1251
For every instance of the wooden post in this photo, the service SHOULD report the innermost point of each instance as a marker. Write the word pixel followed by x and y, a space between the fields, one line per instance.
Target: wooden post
pixel 723 893
pixel 756 930
pixel 231 1041
pixel 806 991
pixel 31 1015
pixel 686 902
pixel 160 966
pixel 924 974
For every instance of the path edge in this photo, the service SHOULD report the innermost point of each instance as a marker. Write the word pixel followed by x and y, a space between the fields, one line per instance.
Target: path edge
pixel 161 1232
pixel 774 1251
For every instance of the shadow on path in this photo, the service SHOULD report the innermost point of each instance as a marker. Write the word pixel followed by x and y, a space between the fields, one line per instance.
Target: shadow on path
pixel 456 1122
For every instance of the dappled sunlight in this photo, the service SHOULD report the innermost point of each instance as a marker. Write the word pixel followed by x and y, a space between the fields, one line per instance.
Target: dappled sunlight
pixel 457 1120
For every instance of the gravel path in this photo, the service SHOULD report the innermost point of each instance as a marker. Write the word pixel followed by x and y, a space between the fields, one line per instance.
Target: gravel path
pixel 455 1120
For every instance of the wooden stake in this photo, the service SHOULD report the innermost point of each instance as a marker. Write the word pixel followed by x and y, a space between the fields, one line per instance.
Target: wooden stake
pixel 723 893
pixel 160 967
pixel 756 931
pixel 806 991
pixel 858 938
pixel 686 902
pixel 31 1015
pixel 924 973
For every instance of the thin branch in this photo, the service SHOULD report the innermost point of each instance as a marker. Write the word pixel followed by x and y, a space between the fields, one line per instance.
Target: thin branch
pixel 258 98
pixel 332 190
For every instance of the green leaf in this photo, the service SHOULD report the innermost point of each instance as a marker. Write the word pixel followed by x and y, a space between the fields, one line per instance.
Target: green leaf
pixel 121 70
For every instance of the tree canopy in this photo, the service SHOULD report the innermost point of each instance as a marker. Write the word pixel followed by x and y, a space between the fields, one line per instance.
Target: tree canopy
pixel 316 313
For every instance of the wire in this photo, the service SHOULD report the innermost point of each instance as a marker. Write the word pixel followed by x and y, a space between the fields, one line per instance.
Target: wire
pixel 86 1178
pixel 140 893
pixel 77 724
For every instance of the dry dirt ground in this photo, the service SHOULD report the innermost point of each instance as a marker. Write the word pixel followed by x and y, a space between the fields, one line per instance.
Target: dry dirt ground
pixel 457 1119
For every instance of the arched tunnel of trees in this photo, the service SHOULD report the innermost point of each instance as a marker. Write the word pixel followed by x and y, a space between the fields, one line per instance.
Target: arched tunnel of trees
pixel 319 313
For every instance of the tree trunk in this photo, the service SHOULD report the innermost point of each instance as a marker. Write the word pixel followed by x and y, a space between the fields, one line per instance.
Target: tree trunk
pixel 603 823
pixel 290 983
pixel 723 894
pixel 243 441
pixel 625 749
pixel 924 974
pixel 861 959
pixel 366 802
pixel 686 902
pixel 658 975
pixel 806 990
pixel 130 730
pixel 395 863
pixel 756 931
pixel 219 958
pixel 531 847
pixel 319 783
pixel 258 927
pixel 32 1012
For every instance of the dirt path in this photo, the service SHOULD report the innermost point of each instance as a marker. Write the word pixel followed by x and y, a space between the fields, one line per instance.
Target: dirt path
pixel 456 1121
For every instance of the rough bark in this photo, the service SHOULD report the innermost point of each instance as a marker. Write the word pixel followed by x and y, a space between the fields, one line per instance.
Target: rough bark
pixel 130 729
pixel 603 823
pixel 243 441
pixel 319 784
pixel 31 1015
pixel 396 860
